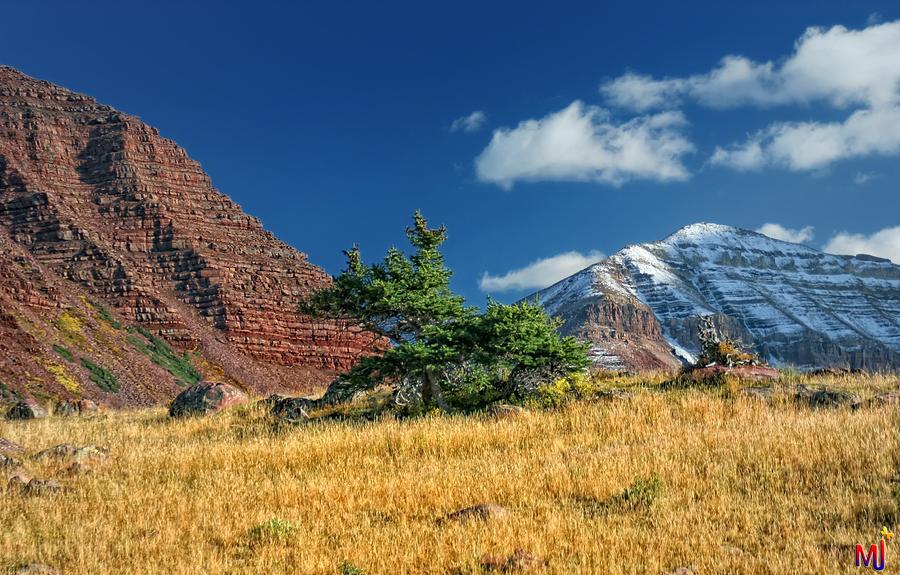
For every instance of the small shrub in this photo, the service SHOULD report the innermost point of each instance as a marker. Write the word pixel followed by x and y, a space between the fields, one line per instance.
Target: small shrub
pixel 272 531
pixel 564 389
pixel 641 494
pixel 64 353
pixel 104 379
pixel 347 568
pixel 471 387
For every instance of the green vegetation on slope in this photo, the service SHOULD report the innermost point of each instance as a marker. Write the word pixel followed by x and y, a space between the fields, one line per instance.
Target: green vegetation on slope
pixel 104 379
pixel 104 314
pixel 164 356
pixel 64 353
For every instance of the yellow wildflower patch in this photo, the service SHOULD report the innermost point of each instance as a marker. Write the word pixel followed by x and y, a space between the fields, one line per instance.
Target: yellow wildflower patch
pixel 62 377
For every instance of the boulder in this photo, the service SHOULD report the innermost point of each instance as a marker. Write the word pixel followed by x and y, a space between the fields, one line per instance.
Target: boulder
pixel 506 411
pixel 18 481
pixel 8 447
pixel 43 487
pixel 519 562
pixel 7 462
pixel 71 407
pixel 206 398
pixel 26 409
pixel 80 468
pixel 835 371
pixel 756 372
pixel 87 407
pixel 85 455
pixel 291 409
pixel 824 398
pixel 890 398
pixel 480 512
pixel 764 394
pixel 65 409
pixel 25 484
pixel 36 569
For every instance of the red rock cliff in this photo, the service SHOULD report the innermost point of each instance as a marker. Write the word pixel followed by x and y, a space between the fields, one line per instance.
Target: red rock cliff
pixel 97 203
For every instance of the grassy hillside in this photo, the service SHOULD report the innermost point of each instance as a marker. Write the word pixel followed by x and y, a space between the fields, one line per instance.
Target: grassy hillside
pixel 706 479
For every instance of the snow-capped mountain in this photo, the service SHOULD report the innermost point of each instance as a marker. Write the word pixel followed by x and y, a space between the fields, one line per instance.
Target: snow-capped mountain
pixel 793 304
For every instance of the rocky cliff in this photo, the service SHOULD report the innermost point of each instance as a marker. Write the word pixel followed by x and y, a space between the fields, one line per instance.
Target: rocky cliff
pixel 115 247
pixel 794 305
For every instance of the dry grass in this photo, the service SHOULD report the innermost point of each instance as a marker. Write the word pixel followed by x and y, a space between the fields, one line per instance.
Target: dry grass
pixel 744 487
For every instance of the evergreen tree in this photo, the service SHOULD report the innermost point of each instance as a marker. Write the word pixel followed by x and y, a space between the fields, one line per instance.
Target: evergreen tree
pixel 433 341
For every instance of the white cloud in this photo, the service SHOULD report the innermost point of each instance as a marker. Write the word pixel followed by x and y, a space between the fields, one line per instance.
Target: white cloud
pixel 802 146
pixel 884 243
pixel 640 93
pixel 742 157
pixel 862 178
pixel 471 123
pixel 780 232
pixel 582 143
pixel 840 66
pixel 541 273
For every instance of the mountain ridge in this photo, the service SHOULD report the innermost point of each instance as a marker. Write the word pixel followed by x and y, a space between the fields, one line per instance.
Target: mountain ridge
pixel 783 299
pixel 96 204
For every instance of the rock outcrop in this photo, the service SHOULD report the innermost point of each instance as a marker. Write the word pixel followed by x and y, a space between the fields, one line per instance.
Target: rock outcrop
pixel 26 409
pixel 793 305
pixel 106 227
pixel 206 398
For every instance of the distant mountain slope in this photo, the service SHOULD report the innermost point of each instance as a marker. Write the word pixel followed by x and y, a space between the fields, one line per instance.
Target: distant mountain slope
pixel 96 207
pixel 793 304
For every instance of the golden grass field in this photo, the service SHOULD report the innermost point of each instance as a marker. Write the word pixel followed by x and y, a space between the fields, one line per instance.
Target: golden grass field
pixel 744 487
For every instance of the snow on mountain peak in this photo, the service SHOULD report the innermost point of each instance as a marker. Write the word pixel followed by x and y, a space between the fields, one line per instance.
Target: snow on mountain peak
pixel 796 304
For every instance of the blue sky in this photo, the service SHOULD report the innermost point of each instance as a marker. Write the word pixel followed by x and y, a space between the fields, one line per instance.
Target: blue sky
pixel 595 124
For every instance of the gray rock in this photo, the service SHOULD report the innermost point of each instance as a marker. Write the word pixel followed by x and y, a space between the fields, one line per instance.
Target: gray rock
pixel 80 468
pixel 291 409
pixel 8 462
pixel 760 393
pixel 71 407
pixel 18 481
pixel 44 487
pixel 65 409
pixel 26 409
pixel 87 454
pixel 36 569
pixel 824 398
pixel 890 398
pixel 206 398
pixel 506 411
pixel 519 562
pixel 480 512
pixel 10 447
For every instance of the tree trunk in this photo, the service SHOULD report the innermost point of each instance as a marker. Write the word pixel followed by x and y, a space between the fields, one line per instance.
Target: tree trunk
pixel 426 390
pixel 431 391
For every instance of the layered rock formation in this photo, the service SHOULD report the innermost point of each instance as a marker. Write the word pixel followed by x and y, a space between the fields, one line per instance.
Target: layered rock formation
pixel 105 223
pixel 792 304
